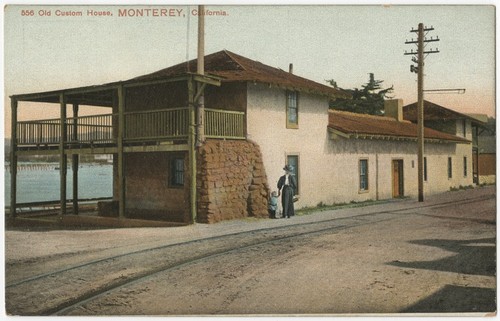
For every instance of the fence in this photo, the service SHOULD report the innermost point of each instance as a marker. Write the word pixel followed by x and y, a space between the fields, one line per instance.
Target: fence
pixel 224 124
pixel 90 129
pixel 39 132
pixel 157 124
pixel 165 124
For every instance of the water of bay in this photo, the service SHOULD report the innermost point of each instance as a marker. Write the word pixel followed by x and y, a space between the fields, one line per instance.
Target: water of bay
pixel 41 182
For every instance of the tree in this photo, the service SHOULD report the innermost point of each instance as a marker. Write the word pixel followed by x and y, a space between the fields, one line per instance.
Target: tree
pixel 492 126
pixel 367 100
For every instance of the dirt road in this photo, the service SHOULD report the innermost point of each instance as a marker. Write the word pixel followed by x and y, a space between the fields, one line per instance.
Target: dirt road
pixel 398 257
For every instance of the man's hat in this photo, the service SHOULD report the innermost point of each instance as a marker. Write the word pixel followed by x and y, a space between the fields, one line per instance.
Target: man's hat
pixel 288 168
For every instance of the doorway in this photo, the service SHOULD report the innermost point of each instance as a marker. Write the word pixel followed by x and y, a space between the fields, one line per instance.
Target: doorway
pixel 397 178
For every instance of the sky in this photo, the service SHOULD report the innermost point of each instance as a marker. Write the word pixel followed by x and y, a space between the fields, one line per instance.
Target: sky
pixel 45 51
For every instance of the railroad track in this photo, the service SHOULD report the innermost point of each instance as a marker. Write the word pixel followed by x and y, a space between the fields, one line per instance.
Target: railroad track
pixel 74 286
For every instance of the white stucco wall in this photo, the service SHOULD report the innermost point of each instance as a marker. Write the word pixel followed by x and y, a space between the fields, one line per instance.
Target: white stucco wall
pixel 346 153
pixel 328 169
pixel 462 150
pixel 266 125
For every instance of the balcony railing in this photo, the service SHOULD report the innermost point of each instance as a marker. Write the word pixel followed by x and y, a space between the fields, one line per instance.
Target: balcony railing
pixel 90 129
pixel 153 125
pixel 157 124
pixel 39 132
pixel 224 124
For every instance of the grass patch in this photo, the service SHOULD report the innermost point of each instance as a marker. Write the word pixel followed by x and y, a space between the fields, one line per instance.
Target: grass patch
pixel 461 188
pixel 324 207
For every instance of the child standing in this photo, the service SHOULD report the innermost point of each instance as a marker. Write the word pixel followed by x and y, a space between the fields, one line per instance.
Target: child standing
pixel 273 204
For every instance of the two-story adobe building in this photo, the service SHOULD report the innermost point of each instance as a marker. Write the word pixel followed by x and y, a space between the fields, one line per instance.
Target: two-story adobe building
pixel 256 118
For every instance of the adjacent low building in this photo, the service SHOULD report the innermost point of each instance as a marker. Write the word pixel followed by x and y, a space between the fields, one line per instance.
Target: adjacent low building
pixel 452 122
pixel 486 159
pixel 375 157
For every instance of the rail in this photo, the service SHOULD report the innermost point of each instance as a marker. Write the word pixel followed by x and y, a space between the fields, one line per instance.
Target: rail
pixel 39 132
pixel 164 124
pixel 224 124
pixel 170 123
pixel 90 129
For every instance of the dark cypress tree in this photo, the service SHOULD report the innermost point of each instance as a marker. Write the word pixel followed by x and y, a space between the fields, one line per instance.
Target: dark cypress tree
pixel 367 100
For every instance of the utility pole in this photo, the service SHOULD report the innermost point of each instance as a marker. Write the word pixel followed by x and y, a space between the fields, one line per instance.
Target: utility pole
pixel 419 69
pixel 196 113
pixel 200 137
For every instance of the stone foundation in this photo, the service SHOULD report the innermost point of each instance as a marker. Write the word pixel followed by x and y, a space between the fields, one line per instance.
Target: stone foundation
pixel 231 182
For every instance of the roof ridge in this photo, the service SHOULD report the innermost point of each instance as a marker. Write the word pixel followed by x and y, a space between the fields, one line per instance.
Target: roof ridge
pixel 262 65
pixel 232 67
pixel 235 59
pixel 354 123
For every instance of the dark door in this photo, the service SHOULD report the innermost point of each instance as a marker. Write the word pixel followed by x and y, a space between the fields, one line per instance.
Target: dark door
pixel 397 178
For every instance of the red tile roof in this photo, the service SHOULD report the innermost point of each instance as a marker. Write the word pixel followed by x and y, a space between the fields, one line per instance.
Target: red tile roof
pixel 361 125
pixel 235 68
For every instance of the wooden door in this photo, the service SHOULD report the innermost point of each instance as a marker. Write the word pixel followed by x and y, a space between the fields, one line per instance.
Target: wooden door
pixel 397 178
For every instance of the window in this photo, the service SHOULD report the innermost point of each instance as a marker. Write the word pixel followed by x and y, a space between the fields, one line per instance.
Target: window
pixel 363 174
pixel 292 111
pixel 450 169
pixel 465 166
pixel 464 128
pixel 177 172
pixel 425 169
pixel 293 161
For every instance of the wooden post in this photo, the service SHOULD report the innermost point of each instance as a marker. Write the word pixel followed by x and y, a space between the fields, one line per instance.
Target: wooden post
pixel 201 40
pixel 192 150
pixel 63 160
pixel 121 165
pixel 476 177
pixel 200 135
pixel 420 109
pixel 13 159
pixel 75 161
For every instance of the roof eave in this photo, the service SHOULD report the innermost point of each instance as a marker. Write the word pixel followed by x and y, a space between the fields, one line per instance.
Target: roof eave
pixel 53 96
pixel 325 93
pixel 335 134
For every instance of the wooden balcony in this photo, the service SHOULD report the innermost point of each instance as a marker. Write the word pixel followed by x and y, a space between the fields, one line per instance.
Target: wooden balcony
pixel 153 127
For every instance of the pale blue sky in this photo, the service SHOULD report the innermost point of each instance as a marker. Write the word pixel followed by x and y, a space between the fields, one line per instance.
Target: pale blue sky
pixel 322 41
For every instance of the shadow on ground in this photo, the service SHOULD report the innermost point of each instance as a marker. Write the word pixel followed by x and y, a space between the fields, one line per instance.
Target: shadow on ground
pixel 475 257
pixel 453 298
